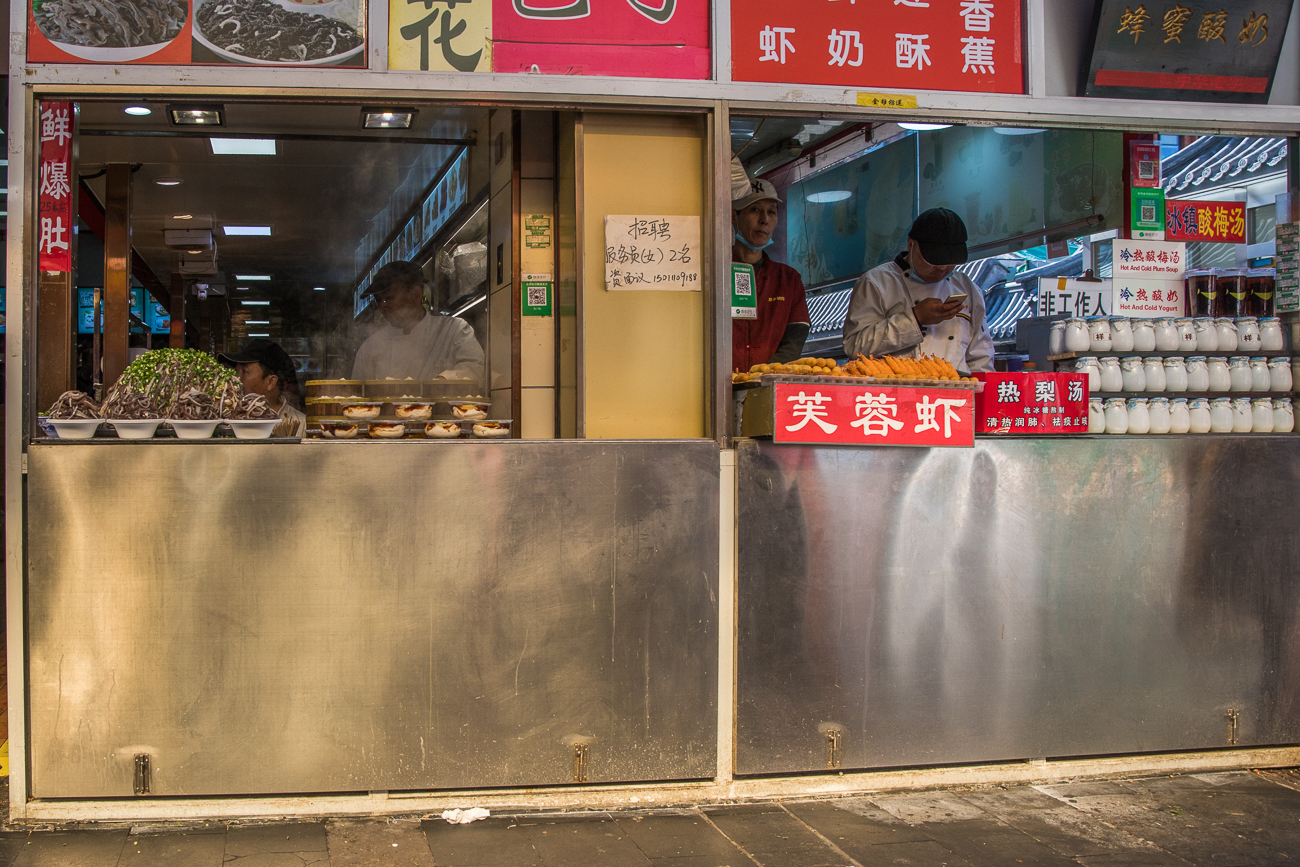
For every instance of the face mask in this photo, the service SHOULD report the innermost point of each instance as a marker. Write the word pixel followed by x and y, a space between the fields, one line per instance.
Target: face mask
pixel 740 239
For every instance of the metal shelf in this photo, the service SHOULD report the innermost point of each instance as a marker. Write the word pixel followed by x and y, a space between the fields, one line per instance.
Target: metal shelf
pixel 1159 353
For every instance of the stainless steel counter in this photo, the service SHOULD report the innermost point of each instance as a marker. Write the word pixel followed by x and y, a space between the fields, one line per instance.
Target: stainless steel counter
pixel 1024 599
pixel 357 617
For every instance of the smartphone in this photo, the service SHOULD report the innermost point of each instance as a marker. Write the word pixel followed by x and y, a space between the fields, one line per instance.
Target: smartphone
pixel 951 298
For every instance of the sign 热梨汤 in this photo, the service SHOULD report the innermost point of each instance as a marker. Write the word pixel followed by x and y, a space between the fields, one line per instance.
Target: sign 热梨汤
pixel 1221 222
pixel 1186 51
pixel 652 253
pixel 1032 404
pixel 972 45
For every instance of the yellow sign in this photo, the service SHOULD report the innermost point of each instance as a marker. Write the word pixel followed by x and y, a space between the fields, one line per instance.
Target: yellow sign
pixel 435 36
pixel 886 100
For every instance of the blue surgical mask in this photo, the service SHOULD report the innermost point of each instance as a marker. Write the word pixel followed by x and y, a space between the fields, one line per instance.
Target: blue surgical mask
pixel 740 239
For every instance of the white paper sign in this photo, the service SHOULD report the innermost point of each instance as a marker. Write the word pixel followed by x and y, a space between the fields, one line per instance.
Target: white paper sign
pixel 652 252
pixel 1057 295
pixel 1148 298
pixel 1164 260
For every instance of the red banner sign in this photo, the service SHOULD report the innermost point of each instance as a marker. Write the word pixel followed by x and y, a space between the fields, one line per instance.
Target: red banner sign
pixel 1205 221
pixel 1041 404
pixel 647 38
pixel 884 415
pixel 54 194
pixel 972 45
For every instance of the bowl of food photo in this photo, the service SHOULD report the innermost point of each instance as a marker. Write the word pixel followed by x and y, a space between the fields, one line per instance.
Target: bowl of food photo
pixel 114 32
pixel 279 32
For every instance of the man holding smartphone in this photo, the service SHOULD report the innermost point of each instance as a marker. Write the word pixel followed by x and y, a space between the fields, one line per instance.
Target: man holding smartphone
pixel 918 305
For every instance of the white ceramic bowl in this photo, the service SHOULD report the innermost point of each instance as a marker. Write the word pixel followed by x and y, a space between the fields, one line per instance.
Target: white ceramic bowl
pixel 252 428
pixel 135 428
pixel 193 429
pixel 76 428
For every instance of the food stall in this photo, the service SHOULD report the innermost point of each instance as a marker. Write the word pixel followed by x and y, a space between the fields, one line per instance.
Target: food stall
pixel 570 580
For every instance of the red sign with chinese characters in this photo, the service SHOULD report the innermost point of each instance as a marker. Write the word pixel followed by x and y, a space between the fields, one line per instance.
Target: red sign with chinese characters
pixel 646 38
pixel 54 193
pixel 1038 404
pixel 882 415
pixel 970 45
pixel 1205 221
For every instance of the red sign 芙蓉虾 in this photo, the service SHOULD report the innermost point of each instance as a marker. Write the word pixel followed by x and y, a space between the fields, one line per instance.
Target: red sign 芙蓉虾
pixel 645 38
pixel 1037 404
pixel 972 45
pixel 1224 222
pixel 55 186
pixel 882 415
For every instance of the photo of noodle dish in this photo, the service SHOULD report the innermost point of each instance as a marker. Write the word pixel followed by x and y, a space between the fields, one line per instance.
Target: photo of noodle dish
pixel 281 32
pixel 115 31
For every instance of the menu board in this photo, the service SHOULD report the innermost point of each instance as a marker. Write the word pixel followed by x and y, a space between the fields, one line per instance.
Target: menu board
pixel 184 32
pixel 652 252
pixel 1287 263
pixel 1221 222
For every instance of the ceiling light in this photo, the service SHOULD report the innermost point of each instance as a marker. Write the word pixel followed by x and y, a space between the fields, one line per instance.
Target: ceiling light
pixel 828 196
pixel 387 118
pixel 197 250
pixel 167 182
pixel 922 127
pixel 137 110
pixel 182 216
pixel 256 303
pixel 1016 130
pixel 257 321
pixel 241 288
pixel 248 230
pixel 318 289
pixel 252 277
pixel 195 115
pixel 254 146
pixel 259 334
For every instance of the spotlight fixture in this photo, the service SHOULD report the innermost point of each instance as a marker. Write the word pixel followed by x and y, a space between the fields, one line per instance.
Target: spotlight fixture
pixel 138 111
pixel 231 231
pixel 254 146
pixel 387 118
pixel 922 127
pixel 318 289
pixel 167 182
pixel 196 115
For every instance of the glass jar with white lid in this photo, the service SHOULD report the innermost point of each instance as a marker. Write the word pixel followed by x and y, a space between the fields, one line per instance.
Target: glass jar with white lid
pixel 1198 374
pixel 1279 374
pixel 1121 334
pixel 1076 335
pixel 1154 366
pixel 1166 334
pixel 1207 336
pixel 1238 374
pixel 1283 415
pixel 1261 414
pixel 1260 377
pixel 1144 335
pixel 1139 416
pixel 1221 415
pixel 1270 334
pixel 1116 416
pixel 1180 417
pixel 1175 374
pixel 1199 417
pixel 1243 415
pixel 1219 378
pixel 1112 378
pixel 1159 414
pixel 1227 330
pixel 1133 373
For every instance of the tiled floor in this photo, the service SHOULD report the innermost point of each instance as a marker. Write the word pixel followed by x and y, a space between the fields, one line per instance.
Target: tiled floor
pixel 1238 818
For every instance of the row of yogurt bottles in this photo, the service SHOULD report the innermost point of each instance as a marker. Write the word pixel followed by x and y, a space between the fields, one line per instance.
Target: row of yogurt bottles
pixel 1163 415
pixel 1121 334
pixel 1195 374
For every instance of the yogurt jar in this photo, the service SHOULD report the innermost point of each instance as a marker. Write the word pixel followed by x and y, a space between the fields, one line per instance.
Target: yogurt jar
pixel 1139 416
pixel 1218 377
pixel 1056 339
pixel 1221 415
pixel 1099 334
pixel 1198 375
pixel 1092 367
pixel 1261 415
pixel 1283 416
pixel 1261 378
pixel 1166 333
pixel 1248 336
pixel 1279 374
pixel 1180 417
pixel 1160 415
pixel 1144 335
pixel 1121 334
pixel 1243 415
pixel 1133 374
pixel 1112 378
pixel 1238 373
pixel 1116 416
pixel 1175 374
pixel 1186 335
pixel 1227 330
pixel 1198 415
pixel 1270 334
pixel 1076 335
pixel 1154 368
pixel 1207 336
pixel 1096 416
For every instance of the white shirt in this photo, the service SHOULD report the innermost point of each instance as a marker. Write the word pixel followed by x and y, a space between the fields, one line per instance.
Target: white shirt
pixel 880 320
pixel 437 346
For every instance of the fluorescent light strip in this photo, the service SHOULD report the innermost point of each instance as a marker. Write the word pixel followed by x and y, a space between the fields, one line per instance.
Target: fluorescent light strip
pixel 257 321
pixel 474 303
pixel 256 303
pixel 249 146
pixel 263 231
pixel 259 334
pixel 252 277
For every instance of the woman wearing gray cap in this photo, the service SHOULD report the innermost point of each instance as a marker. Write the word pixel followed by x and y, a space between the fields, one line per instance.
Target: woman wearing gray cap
pixel 918 304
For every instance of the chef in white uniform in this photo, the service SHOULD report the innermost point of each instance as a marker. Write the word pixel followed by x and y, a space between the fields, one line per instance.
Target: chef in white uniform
pixel 916 305
pixel 413 343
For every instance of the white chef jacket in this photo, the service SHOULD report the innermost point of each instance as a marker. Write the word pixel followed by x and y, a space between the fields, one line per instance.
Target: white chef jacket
pixel 880 320
pixel 436 346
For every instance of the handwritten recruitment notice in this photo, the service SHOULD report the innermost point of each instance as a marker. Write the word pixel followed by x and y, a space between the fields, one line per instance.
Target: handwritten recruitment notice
pixel 652 252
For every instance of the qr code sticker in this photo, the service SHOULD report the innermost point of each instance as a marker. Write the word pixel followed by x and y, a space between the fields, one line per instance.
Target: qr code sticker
pixel 536 296
pixel 744 287
pixel 1147 169
pixel 1148 213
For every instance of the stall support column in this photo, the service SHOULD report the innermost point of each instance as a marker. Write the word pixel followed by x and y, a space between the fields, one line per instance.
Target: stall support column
pixel 117 269
pixel 176 312
pixel 55 363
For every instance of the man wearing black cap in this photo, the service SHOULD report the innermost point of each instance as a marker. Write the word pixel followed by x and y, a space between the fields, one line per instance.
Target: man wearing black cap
pixel 413 344
pixel 916 304
pixel 265 368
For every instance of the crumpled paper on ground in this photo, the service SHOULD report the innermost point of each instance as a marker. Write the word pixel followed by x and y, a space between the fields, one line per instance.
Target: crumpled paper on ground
pixel 464 817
